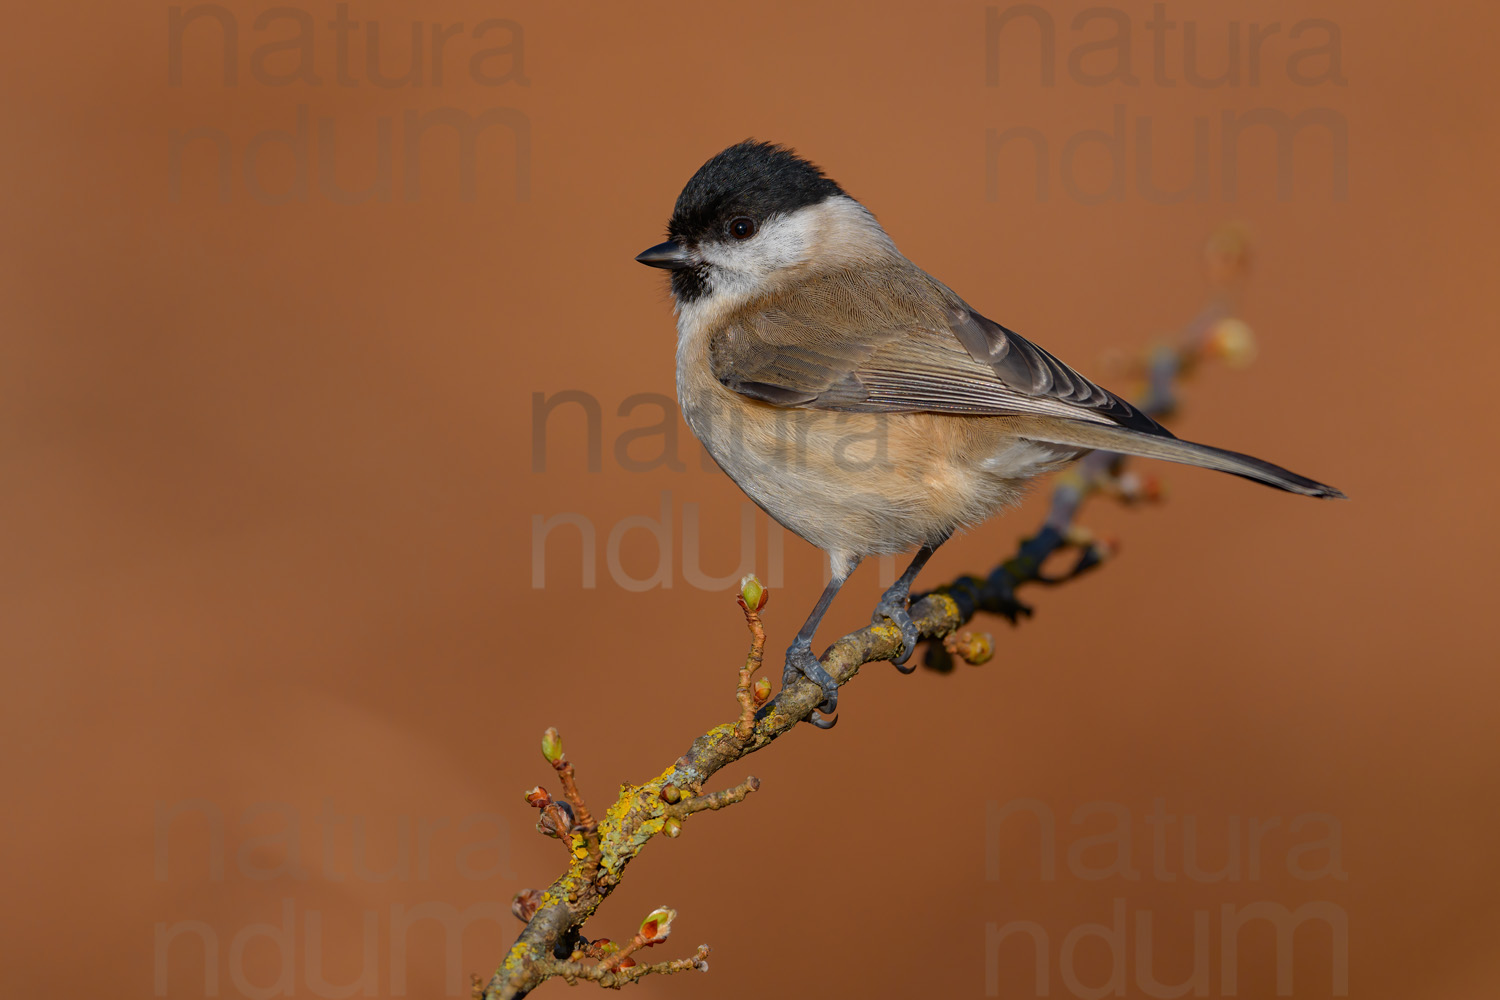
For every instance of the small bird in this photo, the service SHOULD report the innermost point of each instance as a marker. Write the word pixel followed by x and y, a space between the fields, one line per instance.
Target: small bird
pixel 854 397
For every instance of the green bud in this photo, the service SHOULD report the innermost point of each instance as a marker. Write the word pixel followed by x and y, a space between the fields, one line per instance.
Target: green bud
pixel 753 593
pixel 657 925
pixel 552 745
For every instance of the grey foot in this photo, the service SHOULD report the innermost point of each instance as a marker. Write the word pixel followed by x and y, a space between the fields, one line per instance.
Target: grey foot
pixel 800 661
pixel 893 608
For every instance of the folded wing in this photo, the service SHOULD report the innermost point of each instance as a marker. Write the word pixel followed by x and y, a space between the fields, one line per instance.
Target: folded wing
pixel 888 343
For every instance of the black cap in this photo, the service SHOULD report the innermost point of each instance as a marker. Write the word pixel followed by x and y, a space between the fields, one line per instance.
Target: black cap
pixel 755 179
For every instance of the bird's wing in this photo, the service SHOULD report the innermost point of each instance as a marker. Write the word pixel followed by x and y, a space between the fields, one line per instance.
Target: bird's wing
pixel 870 343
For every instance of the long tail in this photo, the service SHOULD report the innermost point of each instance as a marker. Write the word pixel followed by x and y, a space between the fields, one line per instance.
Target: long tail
pixel 1107 437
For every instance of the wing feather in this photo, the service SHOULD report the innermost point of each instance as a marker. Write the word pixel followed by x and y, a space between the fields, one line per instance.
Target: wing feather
pixel 900 342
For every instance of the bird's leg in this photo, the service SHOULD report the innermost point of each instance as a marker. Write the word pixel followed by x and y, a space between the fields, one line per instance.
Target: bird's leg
pixel 800 658
pixel 894 606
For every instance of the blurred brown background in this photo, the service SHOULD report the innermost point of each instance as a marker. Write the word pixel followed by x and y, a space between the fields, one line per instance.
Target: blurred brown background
pixel 273 651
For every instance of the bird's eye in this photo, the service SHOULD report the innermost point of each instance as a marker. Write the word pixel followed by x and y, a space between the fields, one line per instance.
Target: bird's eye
pixel 742 228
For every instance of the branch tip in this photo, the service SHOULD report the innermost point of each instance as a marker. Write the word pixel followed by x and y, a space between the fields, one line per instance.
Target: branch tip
pixel 552 745
pixel 973 648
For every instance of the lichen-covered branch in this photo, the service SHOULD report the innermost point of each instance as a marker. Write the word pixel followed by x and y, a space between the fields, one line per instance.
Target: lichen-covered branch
pixel 599 851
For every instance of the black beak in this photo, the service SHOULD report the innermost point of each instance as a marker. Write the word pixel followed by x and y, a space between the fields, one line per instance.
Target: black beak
pixel 668 255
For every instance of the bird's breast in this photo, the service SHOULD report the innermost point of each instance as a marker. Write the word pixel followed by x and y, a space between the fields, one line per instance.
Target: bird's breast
pixel 861 483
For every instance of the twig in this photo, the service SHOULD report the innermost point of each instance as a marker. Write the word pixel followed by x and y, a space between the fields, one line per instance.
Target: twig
pixel 614 979
pixel 584 827
pixel 716 800
pixel 752 599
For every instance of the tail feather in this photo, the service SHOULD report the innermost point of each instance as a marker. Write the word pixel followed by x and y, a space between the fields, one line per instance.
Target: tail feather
pixel 1107 437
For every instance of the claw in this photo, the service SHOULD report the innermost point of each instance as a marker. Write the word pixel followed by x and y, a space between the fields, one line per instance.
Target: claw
pixel 893 608
pixel 817 720
pixel 800 661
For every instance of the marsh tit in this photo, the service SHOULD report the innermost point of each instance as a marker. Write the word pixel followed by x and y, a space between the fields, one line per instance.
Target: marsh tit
pixel 854 397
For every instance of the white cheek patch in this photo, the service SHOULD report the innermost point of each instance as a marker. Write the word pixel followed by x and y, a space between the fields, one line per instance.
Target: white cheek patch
pixel 783 241
pixel 837 232
pixel 741 269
